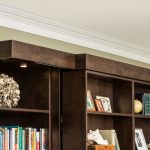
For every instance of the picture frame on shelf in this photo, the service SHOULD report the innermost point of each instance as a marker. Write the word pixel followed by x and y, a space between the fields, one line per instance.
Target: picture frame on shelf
pixel 140 140
pixel 105 103
pixel 90 102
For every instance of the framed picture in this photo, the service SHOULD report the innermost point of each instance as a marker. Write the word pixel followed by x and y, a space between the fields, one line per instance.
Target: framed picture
pixel 105 103
pixel 140 140
pixel 90 102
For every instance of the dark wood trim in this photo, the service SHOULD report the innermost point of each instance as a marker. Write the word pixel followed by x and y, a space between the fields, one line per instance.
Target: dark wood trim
pixel 73 110
pixel 5 49
pixel 38 54
pixel 99 64
pixel 55 109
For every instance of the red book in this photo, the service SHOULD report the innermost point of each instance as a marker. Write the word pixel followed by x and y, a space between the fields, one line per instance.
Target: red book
pixel 99 105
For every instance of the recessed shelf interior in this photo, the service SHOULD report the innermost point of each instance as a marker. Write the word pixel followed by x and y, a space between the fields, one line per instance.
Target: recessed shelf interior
pixel 122 126
pixel 33 83
pixel 118 90
pixel 144 124
pixel 35 120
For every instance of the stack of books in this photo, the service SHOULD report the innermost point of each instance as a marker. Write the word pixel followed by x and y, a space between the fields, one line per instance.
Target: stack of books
pixel 145 98
pixel 18 138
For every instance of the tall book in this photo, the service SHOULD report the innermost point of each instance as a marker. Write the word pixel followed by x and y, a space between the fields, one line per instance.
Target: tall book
pixel 1 138
pixel 99 105
pixel 111 136
pixel 108 135
pixel 145 99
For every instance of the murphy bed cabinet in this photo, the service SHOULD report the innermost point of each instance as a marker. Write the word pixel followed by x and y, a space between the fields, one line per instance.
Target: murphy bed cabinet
pixel 118 81
pixel 39 105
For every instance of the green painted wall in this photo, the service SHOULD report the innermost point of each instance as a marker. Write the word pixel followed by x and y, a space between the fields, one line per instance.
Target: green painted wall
pixel 8 34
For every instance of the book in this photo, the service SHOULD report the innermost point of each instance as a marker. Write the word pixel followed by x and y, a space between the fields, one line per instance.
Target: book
pixel 108 135
pixel 116 142
pixel 99 105
pixel 1 138
pixel 145 99
pixel 105 103
pixel 111 136
pixel 37 141
pixel 90 102
pixel 101 147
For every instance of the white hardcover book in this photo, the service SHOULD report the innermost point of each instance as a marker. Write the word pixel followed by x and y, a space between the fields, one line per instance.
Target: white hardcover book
pixel 30 139
pixel 43 140
pixel 12 138
pixel 37 141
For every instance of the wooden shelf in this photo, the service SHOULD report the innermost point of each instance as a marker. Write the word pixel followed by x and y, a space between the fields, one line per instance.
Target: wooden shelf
pixel 142 116
pixel 25 110
pixel 109 114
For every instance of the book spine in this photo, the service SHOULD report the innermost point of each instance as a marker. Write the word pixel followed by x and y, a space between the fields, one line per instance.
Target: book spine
pixel 28 137
pixel 20 138
pixel 23 139
pixel 41 139
pixel 37 141
pixel 117 142
pixel 13 139
pixel 147 105
pixel 16 138
pixel 34 138
pixel 6 139
pixel 1 140
pixel 99 105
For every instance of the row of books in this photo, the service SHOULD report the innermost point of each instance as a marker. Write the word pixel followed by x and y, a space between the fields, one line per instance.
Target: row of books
pixel 145 98
pixel 18 138
pixel 99 103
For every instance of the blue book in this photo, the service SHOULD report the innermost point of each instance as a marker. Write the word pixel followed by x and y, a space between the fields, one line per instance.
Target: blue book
pixel 1 138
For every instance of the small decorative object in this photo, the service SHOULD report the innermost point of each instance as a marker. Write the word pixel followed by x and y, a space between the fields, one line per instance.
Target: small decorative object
pixel 105 102
pixel 9 91
pixel 90 102
pixel 137 106
pixel 95 136
pixel 140 140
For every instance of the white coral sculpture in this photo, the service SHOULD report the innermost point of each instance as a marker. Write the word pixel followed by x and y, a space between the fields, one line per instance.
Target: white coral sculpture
pixel 9 91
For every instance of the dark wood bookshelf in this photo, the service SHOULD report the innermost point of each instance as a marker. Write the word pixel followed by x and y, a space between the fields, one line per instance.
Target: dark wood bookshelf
pixel 40 85
pixel 108 114
pixel 24 110
pixel 54 91
pixel 118 81
pixel 142 116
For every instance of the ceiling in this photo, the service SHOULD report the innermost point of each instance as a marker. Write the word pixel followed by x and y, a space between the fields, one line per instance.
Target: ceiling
pixel 122 22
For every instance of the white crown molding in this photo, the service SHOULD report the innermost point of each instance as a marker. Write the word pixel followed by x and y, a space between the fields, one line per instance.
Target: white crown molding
pixel 24 21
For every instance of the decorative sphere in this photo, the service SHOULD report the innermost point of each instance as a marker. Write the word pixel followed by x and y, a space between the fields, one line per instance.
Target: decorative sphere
pixel 138 106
